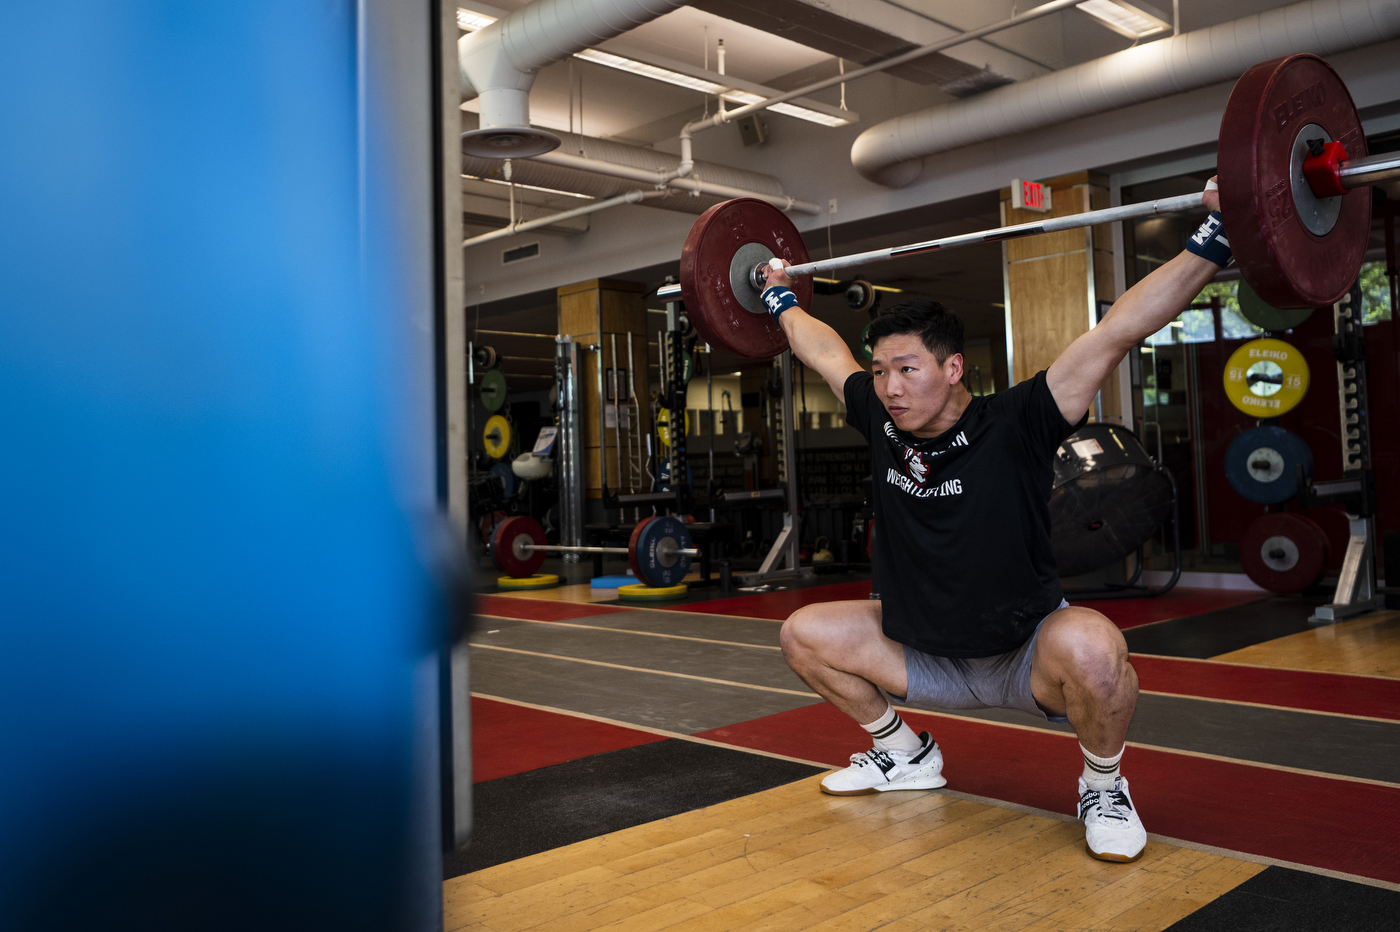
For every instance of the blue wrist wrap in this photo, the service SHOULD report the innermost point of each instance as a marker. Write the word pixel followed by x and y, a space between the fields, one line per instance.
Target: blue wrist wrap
pixel 778 299
pixel 1209 241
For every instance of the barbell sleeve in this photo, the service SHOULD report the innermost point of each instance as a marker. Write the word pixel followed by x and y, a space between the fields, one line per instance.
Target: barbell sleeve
pixel 687 551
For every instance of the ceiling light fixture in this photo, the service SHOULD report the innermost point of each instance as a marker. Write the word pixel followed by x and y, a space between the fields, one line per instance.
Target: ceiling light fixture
pixel 657 73
pixel 1135 20
pixel 471 22
pixel 529 187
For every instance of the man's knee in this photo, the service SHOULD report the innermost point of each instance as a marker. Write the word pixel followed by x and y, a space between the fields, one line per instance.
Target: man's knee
pixel 1087 649
pixel 816 632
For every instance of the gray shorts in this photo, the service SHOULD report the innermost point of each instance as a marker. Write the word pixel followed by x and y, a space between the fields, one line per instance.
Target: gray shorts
pixel 1002 681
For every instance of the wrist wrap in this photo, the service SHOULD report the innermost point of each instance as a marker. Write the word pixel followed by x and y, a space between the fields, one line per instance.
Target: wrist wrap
pixel 1209 241
pixel 778 299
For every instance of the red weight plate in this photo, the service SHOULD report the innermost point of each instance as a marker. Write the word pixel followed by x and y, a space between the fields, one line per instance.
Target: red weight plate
pixel 707 273
pixel 1283 552
pixel 503 540
pixel 1288 265
pixel 632 558
pixel 1321 538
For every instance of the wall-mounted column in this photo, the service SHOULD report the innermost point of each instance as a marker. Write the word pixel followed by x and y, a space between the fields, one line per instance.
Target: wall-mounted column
pixel 1056 282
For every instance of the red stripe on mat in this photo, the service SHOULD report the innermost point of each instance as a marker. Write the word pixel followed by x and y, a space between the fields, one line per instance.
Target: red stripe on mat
pixel 540 609
pixel 1129 613
pixel 509 739
pixel 1335 824
pixel 1293 689
pixel 1125 613
pixel 778 605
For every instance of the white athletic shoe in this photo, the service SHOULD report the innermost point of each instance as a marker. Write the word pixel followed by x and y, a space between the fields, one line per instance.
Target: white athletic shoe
pixel 878 770
pixel 1112 829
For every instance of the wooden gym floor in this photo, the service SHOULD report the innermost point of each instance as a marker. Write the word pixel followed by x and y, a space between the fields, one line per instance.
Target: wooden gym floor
pixel 656 767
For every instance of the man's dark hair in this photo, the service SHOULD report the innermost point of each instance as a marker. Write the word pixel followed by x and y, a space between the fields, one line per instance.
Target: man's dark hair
pixel 940 329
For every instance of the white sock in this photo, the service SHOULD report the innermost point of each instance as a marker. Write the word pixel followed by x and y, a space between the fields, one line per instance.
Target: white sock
pixel 892 734
pixel 1100 773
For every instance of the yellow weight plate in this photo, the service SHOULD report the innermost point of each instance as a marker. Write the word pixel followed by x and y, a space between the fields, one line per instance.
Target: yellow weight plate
pixel 1266 378
pixel 663 426
pixel 643 593
pixel 537 581
pixel 496 436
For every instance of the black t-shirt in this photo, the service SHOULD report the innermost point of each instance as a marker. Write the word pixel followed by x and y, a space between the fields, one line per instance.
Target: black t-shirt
pixel 963 563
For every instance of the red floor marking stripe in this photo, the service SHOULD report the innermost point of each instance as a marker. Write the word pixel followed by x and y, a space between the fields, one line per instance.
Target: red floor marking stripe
pixel 1129 613
pixel 1293 689
pixel 509 739
pixel 778 605
pixel 1334 824
pixel 540 609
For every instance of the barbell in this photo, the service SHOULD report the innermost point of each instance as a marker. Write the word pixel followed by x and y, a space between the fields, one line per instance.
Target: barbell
pixel 1293 175
pixel 658 551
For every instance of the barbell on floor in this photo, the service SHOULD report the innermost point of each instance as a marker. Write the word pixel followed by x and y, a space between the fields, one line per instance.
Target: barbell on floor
pixel 1295 206
pixel 658 551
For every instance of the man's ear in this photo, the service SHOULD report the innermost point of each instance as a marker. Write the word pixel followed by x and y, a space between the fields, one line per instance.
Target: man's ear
pixel 953 368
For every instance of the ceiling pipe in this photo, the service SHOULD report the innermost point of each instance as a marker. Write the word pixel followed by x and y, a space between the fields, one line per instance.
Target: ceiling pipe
pixel 781 201
pixel 605 168
pixel 891 153
pixel 631 197
pixel 498 64
pixel 1045 9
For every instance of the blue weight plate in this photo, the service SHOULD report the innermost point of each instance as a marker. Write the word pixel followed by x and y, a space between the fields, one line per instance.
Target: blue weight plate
pixel 1260 464
pixel 652 551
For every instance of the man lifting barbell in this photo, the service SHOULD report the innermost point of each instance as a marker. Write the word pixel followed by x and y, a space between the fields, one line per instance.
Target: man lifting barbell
pixel 970 613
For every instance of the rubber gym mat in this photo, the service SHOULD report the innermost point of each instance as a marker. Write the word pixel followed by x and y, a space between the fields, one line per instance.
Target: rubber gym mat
pixel 722 663
pixel 544 809
pixel 508 739
pixel 1342 825
pixel 673 703
pixel 1371 696
pixel 1279 899
pixel 1223 630
pixel 1342 746
pixel 538 610
pixel 1178 603
pixel 780 604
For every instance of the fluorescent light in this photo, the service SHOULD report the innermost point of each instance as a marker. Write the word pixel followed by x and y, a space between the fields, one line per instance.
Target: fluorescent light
pixel 651 71
pixel 657 73
pixel 471 22
pixel 531 187
pixel 1134 20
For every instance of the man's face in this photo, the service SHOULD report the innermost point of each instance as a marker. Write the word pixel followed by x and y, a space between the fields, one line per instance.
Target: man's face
pixel 914 388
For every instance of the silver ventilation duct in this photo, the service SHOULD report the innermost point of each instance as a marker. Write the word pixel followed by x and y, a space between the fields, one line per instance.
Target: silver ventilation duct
pixel 498 64
pixel 890 153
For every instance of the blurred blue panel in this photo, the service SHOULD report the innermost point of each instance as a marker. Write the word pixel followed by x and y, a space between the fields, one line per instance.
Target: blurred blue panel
pixel 211 609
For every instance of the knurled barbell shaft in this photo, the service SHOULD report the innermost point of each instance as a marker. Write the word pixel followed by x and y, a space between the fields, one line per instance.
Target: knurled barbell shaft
pixel 688 551
pixel 1354 173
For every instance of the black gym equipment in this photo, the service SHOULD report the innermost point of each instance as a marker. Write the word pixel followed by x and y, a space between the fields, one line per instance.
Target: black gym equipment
pixel 1108 498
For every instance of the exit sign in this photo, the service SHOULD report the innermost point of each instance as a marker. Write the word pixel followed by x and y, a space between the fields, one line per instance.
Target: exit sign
pixel 1030 195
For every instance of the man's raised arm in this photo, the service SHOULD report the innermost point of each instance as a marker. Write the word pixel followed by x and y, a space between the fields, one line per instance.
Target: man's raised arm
pixel 1147 307
pixel 820 348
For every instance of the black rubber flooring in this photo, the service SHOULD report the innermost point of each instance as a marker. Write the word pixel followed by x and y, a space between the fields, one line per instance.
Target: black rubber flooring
pixel 555 806
pixel 1282 900
pixel 1223 630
